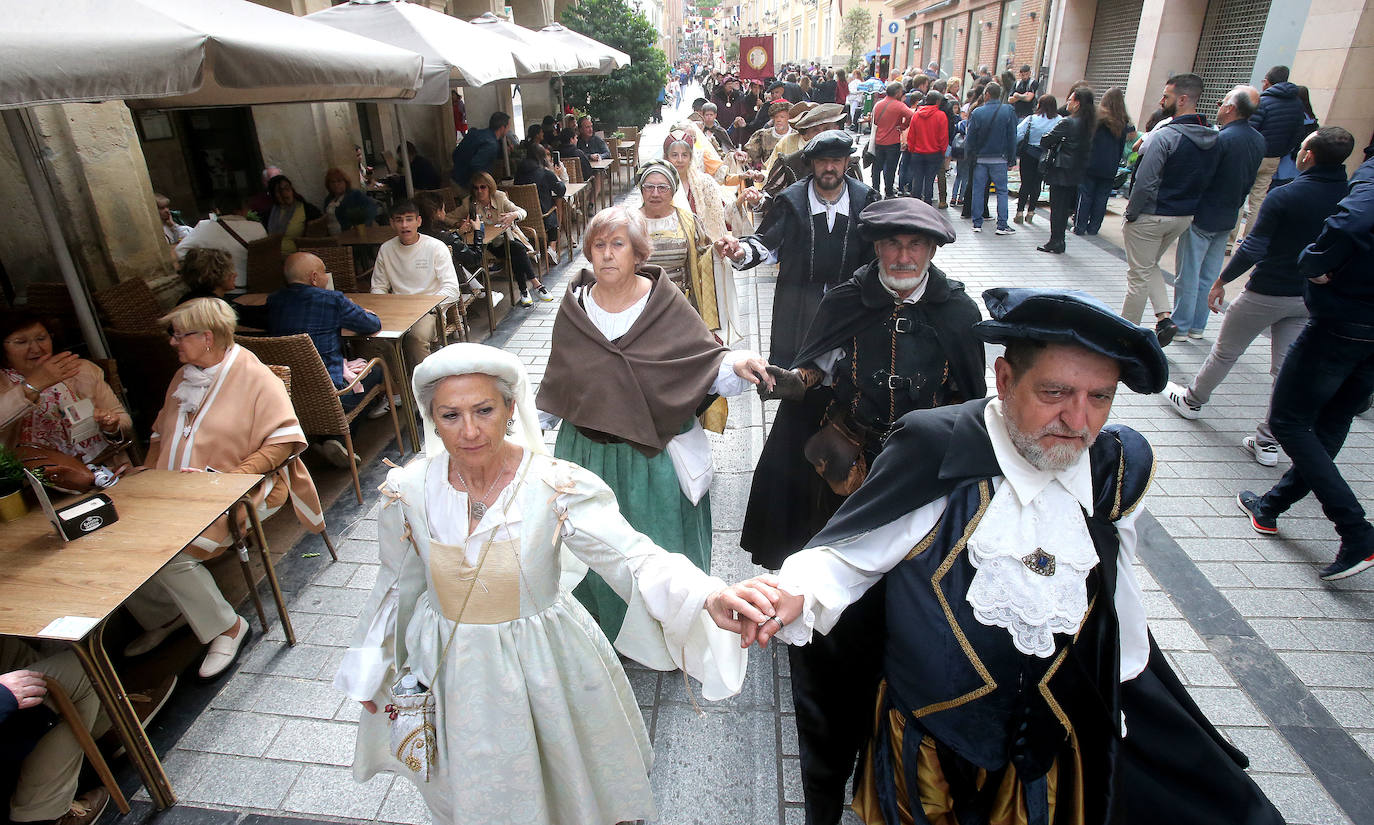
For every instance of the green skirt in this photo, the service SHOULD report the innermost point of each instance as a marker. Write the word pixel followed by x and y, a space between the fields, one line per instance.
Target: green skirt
pixel 647 492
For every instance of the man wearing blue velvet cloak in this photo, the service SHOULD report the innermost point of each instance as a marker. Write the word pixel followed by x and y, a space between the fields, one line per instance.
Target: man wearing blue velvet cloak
pixel 1020 682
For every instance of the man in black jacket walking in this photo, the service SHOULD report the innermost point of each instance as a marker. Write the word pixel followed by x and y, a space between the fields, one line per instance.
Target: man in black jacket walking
pixel 1279 119
pixel 1272 298
pixel 1327 380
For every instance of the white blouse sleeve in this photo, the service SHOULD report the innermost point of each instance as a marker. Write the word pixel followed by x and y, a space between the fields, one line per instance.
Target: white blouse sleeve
pixel 727 383
pixel 833 578
pixel 373 650
pixel 666 625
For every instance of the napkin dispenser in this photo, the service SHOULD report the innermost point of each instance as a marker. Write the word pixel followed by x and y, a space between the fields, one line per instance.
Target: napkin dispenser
pixel 78 518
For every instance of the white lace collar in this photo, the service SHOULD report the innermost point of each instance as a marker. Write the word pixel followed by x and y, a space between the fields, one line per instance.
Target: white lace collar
pixel 1032 550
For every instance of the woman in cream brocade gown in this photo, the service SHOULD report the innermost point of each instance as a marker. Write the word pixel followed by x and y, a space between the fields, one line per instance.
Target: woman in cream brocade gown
pixel 536 721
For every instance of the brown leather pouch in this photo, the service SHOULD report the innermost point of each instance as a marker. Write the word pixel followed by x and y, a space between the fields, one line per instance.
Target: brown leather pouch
pixel 837 453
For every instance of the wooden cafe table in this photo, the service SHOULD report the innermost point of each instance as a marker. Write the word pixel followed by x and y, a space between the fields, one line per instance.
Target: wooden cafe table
pixel 65 591
pixel 398 313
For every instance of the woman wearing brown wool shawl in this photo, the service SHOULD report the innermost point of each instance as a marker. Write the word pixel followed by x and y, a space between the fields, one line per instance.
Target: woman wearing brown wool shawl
pixel 632 366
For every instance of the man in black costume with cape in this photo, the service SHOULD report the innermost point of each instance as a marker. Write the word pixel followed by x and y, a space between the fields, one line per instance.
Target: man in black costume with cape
pixel 898 336
pixel 1020 682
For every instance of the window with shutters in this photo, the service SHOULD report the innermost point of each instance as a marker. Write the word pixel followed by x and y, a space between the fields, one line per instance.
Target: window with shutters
pixel 1113 43
pixel 1226 51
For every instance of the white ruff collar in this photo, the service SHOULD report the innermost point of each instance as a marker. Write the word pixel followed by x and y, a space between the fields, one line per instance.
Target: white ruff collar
pixel 1031 549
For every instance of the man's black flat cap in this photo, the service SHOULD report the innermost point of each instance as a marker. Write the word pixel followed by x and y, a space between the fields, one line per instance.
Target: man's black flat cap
pixel 832 143
pixel 1061 316
pixel 904 216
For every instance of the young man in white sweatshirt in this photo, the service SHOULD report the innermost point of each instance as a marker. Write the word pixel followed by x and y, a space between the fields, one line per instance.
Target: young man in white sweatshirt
pixel 415 264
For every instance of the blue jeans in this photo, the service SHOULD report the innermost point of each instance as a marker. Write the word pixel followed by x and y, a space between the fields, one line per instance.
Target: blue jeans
pixel 961 175
pixel 1092 204
pixel 925 166
pixel 1326 381
pixel 997 170
pixel 1200 256
pixel 885 166
pixel 906 172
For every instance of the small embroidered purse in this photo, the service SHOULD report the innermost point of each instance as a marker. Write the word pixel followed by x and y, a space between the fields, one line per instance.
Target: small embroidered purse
pixel 413 738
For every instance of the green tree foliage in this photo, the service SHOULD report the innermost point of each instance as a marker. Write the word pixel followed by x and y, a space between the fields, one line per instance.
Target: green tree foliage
pixel 856 29
pixel 732 51
pixel 625 97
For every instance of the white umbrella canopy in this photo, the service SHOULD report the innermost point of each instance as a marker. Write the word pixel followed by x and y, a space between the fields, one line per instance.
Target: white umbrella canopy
pixel 455 52
pixel 597 57
pixel 536 55
pixel 183 53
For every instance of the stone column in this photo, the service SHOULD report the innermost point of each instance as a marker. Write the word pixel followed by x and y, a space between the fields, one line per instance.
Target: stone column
pixel 1165 45
pixel 1336 62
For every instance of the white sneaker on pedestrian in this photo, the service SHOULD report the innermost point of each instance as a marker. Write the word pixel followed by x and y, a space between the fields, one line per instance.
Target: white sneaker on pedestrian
pixel 1005 230
pixel 977 229
pixel 1178 401
pixel 1195 334
pixel 1266 455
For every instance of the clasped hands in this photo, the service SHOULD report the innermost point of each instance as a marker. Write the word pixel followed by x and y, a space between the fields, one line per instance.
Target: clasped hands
pixel 756 609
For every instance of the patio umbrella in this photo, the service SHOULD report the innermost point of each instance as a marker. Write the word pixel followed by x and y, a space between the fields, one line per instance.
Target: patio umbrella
pixel 173 53
pixel 455 52
pixel 597 57
pixel 537 55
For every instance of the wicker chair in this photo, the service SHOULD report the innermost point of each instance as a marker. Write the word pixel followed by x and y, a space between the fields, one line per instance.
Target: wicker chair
pixel 338 261
pixel 130 305
pixel 316 243
pixel 53 300
pixel 146 386
pixel 265 263
pixel 526 196
pixel 632 136
pixel 315 398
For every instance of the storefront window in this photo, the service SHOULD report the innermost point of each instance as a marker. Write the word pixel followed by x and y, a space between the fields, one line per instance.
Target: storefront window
pixel 1006 44
pixel 947 41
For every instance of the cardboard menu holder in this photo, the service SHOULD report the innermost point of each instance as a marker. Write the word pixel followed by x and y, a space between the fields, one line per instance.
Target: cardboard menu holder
pixel 78 518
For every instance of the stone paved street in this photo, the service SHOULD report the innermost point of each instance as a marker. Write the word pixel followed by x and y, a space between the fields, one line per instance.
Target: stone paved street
pixel 1281 661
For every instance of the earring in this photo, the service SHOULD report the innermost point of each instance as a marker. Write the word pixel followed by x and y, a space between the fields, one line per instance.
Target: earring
pixel 510 422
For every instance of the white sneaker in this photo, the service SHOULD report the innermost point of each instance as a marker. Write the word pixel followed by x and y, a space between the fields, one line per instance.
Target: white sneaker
pixel 334 451
pixel 383 408
pixel 977 229
pixel 1266 455
pixel 1195 334
pixel 1178 401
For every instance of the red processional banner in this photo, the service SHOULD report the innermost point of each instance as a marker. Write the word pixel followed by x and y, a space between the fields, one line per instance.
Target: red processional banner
pixel 756 58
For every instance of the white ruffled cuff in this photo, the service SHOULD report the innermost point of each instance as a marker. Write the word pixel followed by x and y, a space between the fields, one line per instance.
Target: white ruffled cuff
pixel 365 665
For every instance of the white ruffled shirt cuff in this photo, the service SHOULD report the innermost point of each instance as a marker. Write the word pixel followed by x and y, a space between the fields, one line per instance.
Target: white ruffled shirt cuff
pixel 364 667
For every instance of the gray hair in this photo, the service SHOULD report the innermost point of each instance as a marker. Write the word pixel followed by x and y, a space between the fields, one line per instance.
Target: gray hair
pixel 425 392
pixel 1240 98
pixel 708 107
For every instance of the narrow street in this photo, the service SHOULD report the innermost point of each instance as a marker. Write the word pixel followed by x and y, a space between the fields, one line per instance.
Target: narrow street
pixel 1281 661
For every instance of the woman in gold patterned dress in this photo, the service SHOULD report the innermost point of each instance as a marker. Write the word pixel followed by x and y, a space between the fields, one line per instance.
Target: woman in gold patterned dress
pixel 679 246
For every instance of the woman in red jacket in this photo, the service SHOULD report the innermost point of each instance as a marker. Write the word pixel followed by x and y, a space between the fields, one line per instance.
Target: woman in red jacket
pixel 926 139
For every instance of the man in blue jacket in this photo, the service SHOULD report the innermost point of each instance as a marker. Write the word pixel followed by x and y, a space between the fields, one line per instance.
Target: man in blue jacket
pixel 1175 169
pixel 1279 119
pixel 1203 247
pixel 479 150
pixel 1272 298
pixel 991 142
pixel 1327 380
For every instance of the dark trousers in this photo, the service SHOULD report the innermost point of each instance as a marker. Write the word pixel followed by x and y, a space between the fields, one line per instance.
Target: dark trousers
pixel 1326 381
pixel 1031 180
pixel 1062 201
pixel 924 167
pixel 834 687
pixel 519 260
pixel 1092 204
pixel 885 160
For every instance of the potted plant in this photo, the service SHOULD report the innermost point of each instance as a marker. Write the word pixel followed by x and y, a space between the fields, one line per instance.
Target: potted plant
pixel 12 484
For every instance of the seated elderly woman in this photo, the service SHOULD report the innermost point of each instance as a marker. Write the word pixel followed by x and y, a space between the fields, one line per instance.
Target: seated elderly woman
pixel 536 721
pixel 631 367
pixel 225 412
pixel 288 213
pixel 488 210
pixel 346 206
pixel 38 387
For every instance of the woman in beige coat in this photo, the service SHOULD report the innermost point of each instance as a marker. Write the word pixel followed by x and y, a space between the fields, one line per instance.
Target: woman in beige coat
pixel 489 211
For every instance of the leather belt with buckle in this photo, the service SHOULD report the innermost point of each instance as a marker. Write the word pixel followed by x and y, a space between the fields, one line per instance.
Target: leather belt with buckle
pixel 902 325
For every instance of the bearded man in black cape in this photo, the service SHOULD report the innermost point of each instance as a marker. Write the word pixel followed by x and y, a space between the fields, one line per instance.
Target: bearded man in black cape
pixel 896 337
pixel 1020 682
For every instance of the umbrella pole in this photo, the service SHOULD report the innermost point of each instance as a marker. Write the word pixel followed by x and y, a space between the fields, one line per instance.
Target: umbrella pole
pixel 401 128
pixel 20 136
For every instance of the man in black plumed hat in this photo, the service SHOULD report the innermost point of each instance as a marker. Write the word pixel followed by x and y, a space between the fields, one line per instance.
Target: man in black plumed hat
pixel 896 337
pixel 1018 673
